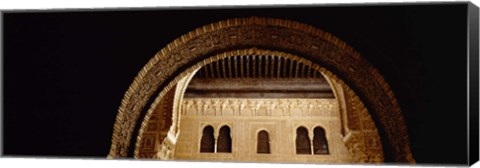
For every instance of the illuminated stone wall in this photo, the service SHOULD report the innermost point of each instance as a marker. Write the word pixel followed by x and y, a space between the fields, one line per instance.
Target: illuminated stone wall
pixel 351 133
pixel 246 117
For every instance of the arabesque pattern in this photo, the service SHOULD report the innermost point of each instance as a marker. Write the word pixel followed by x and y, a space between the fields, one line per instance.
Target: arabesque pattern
pixel 238 35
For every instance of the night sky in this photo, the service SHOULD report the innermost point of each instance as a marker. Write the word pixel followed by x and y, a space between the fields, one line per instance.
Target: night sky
pixel 65 72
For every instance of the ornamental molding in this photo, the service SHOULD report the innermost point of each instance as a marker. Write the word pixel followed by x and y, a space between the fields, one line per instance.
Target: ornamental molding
pixel 284 38
pixel 260 107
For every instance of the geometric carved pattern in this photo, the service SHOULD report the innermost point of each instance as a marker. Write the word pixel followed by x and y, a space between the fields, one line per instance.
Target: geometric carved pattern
pixel 157 127
pixel 233 35
pixel 259 107
pixel 362 139
pixel 167 107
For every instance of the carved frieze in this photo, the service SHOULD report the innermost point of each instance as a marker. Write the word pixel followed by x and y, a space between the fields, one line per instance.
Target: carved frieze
pixel 306 41
pixel 259 107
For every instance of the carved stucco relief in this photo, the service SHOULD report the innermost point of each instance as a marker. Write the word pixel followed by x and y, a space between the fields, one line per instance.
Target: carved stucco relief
pixel 302 40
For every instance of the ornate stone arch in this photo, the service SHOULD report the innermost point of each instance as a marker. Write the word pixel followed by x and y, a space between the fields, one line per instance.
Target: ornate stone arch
pixel 162 71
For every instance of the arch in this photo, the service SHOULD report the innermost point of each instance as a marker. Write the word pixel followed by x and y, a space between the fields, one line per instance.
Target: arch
pixel 165 69
pixel 302 141
pixel 263 142
pixel 207 143
pixel 320 143
pixel 224 142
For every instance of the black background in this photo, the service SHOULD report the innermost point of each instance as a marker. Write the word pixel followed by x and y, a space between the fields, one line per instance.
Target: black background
pixel 65 72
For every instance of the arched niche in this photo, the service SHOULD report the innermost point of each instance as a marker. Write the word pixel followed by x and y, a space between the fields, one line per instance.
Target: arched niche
pixel 263 142
pixel 207 143
pixel 257 35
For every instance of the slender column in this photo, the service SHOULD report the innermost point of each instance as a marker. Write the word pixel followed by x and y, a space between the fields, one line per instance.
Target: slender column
pixel 229 67
pixel 236 66
pixel 215 146
pixel 311 148
pixel 279 66
pixel 266 67
pixel 285 74
pixel 241 66
pixel 254 62
pixel 248 67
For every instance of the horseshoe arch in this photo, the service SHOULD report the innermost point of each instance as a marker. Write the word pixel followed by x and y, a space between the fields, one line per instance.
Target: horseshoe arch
pixel 162 72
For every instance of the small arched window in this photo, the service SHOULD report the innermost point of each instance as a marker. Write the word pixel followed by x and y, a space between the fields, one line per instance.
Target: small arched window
pixel 207 143
pixel 320 144
pixel 263 142
pixel 224 143
pixel 302 141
